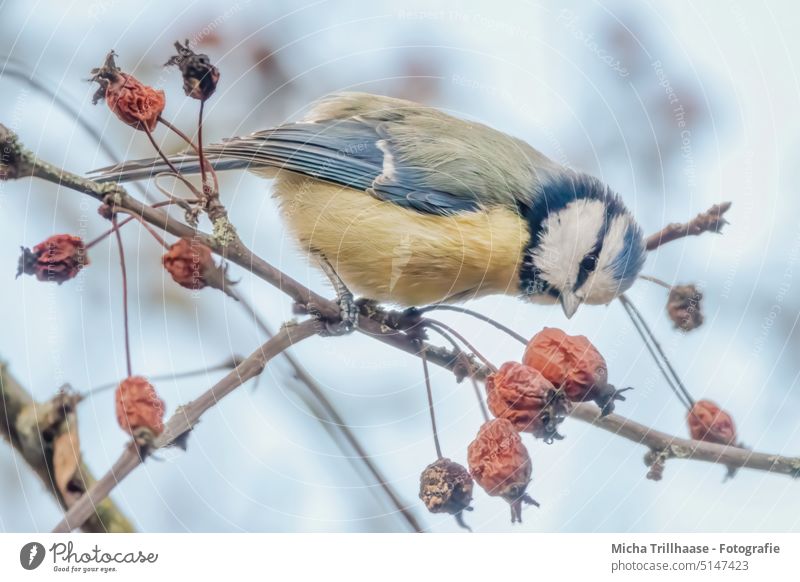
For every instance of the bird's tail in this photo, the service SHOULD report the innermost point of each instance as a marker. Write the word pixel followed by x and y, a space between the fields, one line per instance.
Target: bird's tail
pixel 144 169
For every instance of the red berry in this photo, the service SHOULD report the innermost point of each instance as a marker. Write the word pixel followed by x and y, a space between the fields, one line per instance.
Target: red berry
pixel 501 465
pixel 707 422
pixel 133 102
pixel 189 262
pixel 58 259
pixel 572 364
pixel 140 411
pixel 523 396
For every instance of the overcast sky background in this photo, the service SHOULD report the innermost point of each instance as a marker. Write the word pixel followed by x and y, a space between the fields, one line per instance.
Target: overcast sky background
pixel 676 105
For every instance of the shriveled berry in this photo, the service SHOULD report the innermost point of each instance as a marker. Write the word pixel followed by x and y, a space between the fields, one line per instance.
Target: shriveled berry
pixel 189 262
pixel 684 307
pixel 446 487
pixel 501 465
pixel 57 259
pixel 525 397
pixel 133 102
pixel 140 412
pixel 574 365
pixel 708 422
pixel 200 77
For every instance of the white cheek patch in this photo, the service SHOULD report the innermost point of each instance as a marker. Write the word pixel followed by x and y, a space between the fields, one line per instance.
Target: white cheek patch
pixel 601 286
pixel 567 236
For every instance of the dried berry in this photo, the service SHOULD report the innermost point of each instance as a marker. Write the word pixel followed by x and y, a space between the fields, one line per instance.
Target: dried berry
pixel 656 461
pixel 106 211
pixel 572 364
pixel 189 262
pixel 500 464
pixel 200 77
pixel 523 396
pixel 446 487
pixel 707 422
pixel 140 411
pixel 683 307
pixel 133 102
pixel 58 259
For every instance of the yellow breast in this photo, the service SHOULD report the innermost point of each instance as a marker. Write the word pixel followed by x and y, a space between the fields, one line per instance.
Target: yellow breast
pixel 391 254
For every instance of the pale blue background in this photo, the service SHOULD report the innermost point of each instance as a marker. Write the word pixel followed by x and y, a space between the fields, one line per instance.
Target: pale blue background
pixel 582 82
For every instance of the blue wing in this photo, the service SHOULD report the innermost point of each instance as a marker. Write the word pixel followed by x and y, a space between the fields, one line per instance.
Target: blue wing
pixel 348 152
pixel 398 151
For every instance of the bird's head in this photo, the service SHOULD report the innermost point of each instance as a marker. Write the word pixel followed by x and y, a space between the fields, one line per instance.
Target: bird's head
pixel 585 246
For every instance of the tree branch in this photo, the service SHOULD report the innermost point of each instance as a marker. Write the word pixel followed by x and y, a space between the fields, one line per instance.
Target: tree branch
pixel 680 448
pixel 31 428
pixel 183 421
pixel 709 221
pixel 387 327
pixel 322 406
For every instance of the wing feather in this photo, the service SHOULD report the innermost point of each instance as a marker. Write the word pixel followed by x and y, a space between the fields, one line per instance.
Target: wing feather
pixel 408 154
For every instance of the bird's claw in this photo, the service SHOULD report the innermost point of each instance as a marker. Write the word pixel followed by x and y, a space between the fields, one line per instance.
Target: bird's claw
pixel 348 316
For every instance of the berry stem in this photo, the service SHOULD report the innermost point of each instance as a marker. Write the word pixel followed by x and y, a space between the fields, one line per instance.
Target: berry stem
pixel 204 164
pixel 436 323
pixel 475 385
pixel 124 296
pixel 105 235
pixel 657 281
pixel 476 315
pixel 670 375
pixel 131 217
pixel 478 395
pixel 226 365
pixel 169 163
pixel 424 356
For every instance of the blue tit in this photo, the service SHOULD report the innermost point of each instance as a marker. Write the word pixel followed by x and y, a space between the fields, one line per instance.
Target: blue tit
pixel 413 206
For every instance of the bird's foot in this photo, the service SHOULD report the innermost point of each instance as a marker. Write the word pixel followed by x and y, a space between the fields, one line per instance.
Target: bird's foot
pixel 348 307
pixel 335 325
pixel 348 315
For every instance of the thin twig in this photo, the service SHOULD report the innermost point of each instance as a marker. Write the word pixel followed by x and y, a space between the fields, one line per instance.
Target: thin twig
pixel 657 281
pixel 646 340
pixel 635 314
pixel 124 296
pixel 481 404
pixel 226 365
pixel 130 218
pixel 183 421
pixel 428 389
pixel 338 421
pixel 436 323
pixel 681 448
pixel 479 396
pixel 475 314
pixel 709 221
pixel 204 164
pixel 169 163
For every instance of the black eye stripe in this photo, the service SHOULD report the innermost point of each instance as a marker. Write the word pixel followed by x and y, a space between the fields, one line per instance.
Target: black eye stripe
pixel 584 269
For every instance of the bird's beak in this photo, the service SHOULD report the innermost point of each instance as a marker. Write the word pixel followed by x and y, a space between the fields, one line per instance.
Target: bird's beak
pixel 569 303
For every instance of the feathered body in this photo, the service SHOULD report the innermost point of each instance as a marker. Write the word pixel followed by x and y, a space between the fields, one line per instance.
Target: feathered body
pixel 413 206
pixel 392 254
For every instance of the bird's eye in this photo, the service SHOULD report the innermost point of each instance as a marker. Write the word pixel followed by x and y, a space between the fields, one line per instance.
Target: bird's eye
pixel 589 263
